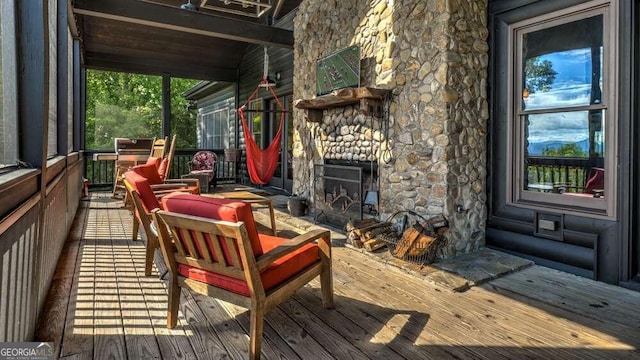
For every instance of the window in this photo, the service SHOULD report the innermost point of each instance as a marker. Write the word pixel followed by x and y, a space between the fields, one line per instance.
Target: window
pixel 214 129
pixel 564 122
pixel 255 120
pixel 8 101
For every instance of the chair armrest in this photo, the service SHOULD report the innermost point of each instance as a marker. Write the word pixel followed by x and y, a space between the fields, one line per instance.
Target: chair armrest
pixel 180 185
pixel 292 245
pixel 185 181
pixel 164 192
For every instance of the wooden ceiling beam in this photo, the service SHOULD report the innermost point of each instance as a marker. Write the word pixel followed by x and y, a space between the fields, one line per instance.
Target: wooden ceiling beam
pixel 171 18
pixel 111 62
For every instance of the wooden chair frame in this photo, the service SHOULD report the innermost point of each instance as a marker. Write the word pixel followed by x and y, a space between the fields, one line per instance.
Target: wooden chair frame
pixel 159 147
pixel 141 217
pixel 175 183
pixel 247 267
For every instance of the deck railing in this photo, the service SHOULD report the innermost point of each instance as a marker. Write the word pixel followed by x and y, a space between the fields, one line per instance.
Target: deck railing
pixel 100 173
pixel 566 174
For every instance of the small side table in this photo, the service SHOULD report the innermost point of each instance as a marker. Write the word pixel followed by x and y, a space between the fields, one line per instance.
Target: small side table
pixel 203 180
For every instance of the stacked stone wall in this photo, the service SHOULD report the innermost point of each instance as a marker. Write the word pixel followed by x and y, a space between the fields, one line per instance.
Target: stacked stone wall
pixel 433 56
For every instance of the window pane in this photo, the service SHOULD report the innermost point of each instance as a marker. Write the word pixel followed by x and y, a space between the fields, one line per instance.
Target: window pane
pixel 69 92
pixel 562 65
pixel 8 103
pixel 52 144
pixel 564 151
pixel 256 121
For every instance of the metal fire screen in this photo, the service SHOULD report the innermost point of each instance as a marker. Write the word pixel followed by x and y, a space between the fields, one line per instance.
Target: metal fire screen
pixel 337 193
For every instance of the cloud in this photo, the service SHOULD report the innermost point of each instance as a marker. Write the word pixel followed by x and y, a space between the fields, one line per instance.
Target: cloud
pixel 571 88
pixel 565 126
pixel 564 95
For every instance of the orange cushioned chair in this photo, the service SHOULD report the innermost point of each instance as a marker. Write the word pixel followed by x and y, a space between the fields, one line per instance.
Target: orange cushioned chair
pixel 144 201
pixel 595 182
pixel 150 171
pixel 217 251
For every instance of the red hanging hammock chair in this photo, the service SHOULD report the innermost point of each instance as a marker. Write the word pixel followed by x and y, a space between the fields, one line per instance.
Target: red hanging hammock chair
pixel 261 163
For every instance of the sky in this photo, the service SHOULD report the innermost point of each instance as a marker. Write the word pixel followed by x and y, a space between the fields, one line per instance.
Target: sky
pixel 571 87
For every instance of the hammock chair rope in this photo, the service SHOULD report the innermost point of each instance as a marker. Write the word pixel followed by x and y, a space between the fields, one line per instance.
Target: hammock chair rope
pixel 261 163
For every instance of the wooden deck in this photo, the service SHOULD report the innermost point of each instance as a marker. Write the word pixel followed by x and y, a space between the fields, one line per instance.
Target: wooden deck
pixel 101 306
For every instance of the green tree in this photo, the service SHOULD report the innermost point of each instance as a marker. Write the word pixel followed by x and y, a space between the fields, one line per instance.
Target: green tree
pixel 538 74
pixel 183 118
pixel 567 150
pixel 130 105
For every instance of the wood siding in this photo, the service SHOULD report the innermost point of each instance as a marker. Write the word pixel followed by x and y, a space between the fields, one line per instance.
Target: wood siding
pixel 18 295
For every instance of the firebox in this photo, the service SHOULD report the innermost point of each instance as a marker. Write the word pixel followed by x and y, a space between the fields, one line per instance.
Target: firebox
pixel 344 190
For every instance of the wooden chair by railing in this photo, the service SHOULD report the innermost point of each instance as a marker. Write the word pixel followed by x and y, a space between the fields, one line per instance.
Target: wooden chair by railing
pixel 159 147
pixel 165 164
pixel 217 251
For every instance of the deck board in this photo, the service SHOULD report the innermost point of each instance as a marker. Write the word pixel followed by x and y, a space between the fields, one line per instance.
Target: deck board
pixel 274 346
pixel 492 325
pixel 102 306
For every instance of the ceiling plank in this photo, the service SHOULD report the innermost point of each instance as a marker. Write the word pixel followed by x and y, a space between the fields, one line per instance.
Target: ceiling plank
pixel 103 31
pixel 171 18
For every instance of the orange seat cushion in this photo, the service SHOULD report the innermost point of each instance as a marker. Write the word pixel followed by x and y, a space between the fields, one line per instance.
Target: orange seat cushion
pixel 273 275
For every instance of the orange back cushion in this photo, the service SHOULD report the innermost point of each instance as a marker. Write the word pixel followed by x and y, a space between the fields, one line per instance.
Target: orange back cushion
pixel 148 171
pixel 154 160
pixel 141 185
pixel 162 169
pixel 217 209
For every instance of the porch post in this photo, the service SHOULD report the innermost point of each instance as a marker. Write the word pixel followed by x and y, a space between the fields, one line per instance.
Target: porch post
pixel 33 77
pixel 83 105
pixel 166 105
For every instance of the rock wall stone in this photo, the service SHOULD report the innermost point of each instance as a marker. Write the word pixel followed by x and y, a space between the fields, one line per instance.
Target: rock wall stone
pixel 433 55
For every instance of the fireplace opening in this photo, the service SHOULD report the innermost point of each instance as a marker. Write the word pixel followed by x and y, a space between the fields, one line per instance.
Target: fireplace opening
pixel 345 190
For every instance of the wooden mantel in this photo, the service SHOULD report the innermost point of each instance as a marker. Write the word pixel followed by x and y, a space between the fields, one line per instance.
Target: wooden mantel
pixel 370 100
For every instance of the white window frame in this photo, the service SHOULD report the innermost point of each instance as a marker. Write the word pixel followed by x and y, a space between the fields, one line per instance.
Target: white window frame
pixel 214 131
pixel 516 195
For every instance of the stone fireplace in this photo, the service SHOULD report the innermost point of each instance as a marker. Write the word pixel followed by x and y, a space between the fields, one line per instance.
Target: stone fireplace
pixel 350 143
pixel 430 149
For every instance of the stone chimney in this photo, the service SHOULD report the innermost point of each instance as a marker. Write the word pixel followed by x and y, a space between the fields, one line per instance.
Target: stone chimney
pixel 433 56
